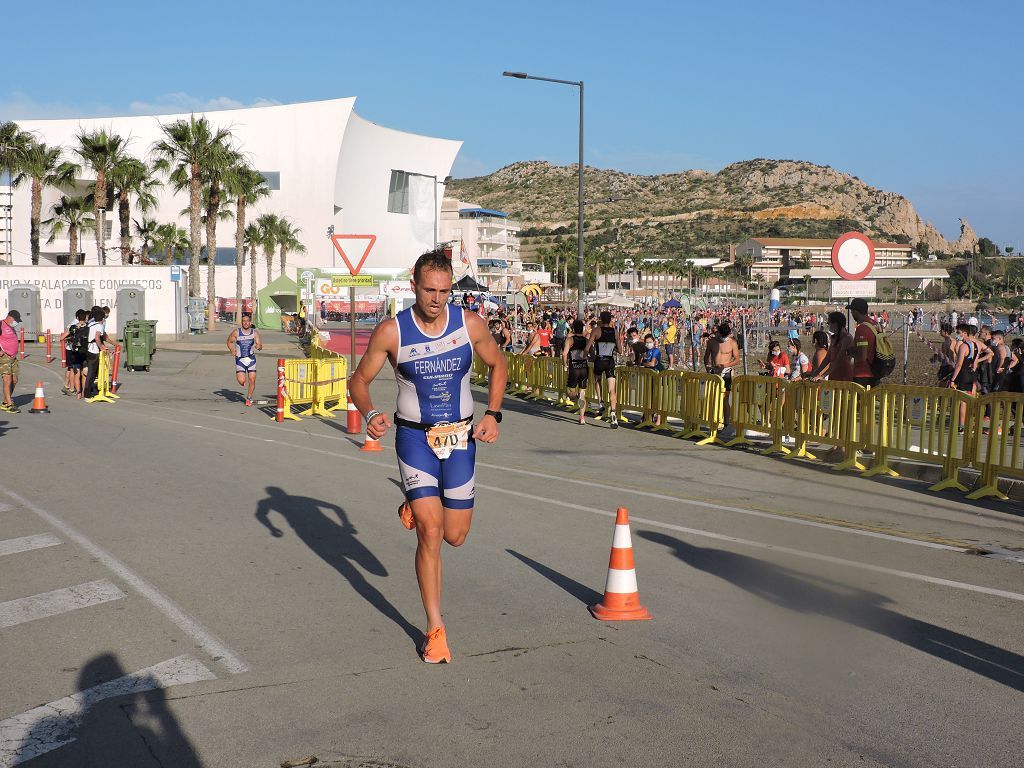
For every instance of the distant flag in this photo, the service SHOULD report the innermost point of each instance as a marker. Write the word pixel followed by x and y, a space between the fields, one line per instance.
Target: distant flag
pixel 464 258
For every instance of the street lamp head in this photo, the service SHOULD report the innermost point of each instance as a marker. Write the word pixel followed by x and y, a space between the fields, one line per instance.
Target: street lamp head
pixel 520 75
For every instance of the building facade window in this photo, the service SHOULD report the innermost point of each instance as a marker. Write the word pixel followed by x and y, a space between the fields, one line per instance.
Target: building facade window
pixel 398 192
pixel 273 179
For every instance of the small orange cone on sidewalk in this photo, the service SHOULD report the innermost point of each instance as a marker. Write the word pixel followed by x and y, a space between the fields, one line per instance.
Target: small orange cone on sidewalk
pixel 621 600
pixel 371 444
pixel 355 419
pixel 39 402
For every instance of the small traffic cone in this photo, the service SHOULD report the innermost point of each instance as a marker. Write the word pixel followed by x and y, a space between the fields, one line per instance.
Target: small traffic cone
pixel 355 419
pixel 621 600
pixel 39 402
pixel 371 444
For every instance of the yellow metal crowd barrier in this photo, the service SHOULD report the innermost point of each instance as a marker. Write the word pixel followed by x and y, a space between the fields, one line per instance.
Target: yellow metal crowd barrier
pixel 933 425
pixel 826 413
pixel 104 393
pixel 636 393
pixel 758 405
pixel 702 397
pixel 997 449
pixel 921 423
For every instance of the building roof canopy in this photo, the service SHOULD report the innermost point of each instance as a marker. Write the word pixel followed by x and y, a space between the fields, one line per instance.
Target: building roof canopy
pixel 474 212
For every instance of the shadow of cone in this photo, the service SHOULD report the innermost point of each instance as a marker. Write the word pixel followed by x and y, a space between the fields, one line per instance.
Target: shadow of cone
pixel 39 401
pixel 621 599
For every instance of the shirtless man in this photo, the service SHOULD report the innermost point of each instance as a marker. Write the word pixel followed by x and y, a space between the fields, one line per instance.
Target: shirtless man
pixel 722 356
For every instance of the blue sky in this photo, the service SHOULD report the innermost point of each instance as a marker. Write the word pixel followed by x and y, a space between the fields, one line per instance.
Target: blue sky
pixel 921 98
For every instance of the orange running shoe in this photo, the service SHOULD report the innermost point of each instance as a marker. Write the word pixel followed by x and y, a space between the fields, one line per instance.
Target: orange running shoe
pixel 405 515
pixel 435 647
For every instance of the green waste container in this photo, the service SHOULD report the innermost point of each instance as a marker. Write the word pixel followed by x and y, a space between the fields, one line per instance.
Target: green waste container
pixel 149 326
pixel 137 355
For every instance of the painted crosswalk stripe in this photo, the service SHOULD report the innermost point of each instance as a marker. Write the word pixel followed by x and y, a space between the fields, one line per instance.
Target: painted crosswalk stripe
pixel 27 543
pixel 47 727
pixel 57 601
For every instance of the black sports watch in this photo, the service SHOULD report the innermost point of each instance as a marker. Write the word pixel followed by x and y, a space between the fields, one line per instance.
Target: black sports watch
pixel 495 414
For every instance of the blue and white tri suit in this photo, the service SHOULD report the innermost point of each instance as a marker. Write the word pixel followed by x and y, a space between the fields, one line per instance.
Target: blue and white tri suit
pixel 245 351
pixel 433 387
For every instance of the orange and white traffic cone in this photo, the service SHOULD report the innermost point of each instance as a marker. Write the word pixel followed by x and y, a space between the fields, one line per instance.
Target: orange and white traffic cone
pixel 39 402
pixel 371 444
pixel 355 419
pixel 621 600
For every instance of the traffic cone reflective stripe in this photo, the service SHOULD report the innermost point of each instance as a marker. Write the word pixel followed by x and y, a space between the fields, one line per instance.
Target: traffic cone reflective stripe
pixel 39 401
pixel 621 600
pixel 371 444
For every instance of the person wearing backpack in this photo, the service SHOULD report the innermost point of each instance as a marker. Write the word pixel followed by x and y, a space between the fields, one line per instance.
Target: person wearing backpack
pixel 76 347
pixel 873 359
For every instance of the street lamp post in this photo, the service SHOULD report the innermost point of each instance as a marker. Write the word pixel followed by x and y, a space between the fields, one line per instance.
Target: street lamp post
pixel 581 288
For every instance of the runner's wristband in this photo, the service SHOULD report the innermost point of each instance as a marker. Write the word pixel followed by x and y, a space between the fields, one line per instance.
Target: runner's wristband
pixel 372 415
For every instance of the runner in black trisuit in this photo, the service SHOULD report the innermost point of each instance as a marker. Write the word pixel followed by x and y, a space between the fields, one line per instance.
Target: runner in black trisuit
pixel 607 344
pixel 577 371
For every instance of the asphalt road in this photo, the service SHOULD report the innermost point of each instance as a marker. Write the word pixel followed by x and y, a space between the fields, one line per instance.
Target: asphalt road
pixel 184 582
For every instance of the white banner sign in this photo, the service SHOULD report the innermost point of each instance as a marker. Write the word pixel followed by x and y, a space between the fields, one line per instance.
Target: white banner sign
pixel 397 289
pixel 853 289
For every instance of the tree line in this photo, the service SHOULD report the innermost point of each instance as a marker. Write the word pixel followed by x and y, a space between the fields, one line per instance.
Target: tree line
pixel 193 157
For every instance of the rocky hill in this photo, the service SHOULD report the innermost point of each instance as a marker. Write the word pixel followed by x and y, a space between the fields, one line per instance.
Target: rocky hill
pixel 701 213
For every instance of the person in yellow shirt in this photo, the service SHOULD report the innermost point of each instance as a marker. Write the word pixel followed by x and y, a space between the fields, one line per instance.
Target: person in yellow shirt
pixel 671 345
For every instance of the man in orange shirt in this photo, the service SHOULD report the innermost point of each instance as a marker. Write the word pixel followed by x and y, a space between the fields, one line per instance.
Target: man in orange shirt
pixel 863 344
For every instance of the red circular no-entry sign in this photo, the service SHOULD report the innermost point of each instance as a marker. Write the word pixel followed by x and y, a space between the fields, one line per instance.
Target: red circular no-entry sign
pixel 853 256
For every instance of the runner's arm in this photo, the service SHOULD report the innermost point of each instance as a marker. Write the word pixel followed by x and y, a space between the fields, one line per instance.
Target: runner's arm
pixel 383 340
pixel 231 341
pixel 259 341
pixel 961 354
pixel 486 430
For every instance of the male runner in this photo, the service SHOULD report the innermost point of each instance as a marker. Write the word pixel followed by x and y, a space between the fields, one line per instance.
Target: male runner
pixel 431 347
pixel 244 343
pixel 607 343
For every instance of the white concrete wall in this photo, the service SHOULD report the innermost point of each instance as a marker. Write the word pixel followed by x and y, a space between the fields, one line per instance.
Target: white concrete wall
pixel 104 281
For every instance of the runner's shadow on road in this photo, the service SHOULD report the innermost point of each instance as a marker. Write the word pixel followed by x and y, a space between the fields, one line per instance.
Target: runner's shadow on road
pixel 334 542
pixel 5 426
pixel 231 395
pixel 133 729
pixel 798 592
pixel 581 592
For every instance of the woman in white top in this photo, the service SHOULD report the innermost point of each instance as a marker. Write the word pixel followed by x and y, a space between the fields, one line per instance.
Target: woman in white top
pixel 798 362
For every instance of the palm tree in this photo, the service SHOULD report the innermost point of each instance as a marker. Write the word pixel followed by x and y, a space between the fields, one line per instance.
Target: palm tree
pixel 288 240
pixel 186 149
pixel 246 185
pixel 43 165
pixel 14 143
pixel 222 160
pixel 146 231
pixel 70 213
pixel 269 224
pixel 253 240
pixel 171 240
pixel 131 177
pixel 100 151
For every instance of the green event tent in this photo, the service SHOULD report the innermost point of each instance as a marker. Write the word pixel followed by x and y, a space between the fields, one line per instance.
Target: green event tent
pixel 277 298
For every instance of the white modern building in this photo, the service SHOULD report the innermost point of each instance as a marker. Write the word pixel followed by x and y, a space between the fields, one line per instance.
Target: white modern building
pixel 326 167
pixel 489 240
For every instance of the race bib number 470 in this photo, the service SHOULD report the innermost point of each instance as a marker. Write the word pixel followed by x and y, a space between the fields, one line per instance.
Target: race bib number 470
pixel 445 438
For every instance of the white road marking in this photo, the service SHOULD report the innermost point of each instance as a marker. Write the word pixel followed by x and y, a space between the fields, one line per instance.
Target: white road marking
pixel 185 622
pixel 669 526
pixel 633 491
pixel 5 507
pixel 27 543
pixel 58 601
pixel 47 727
